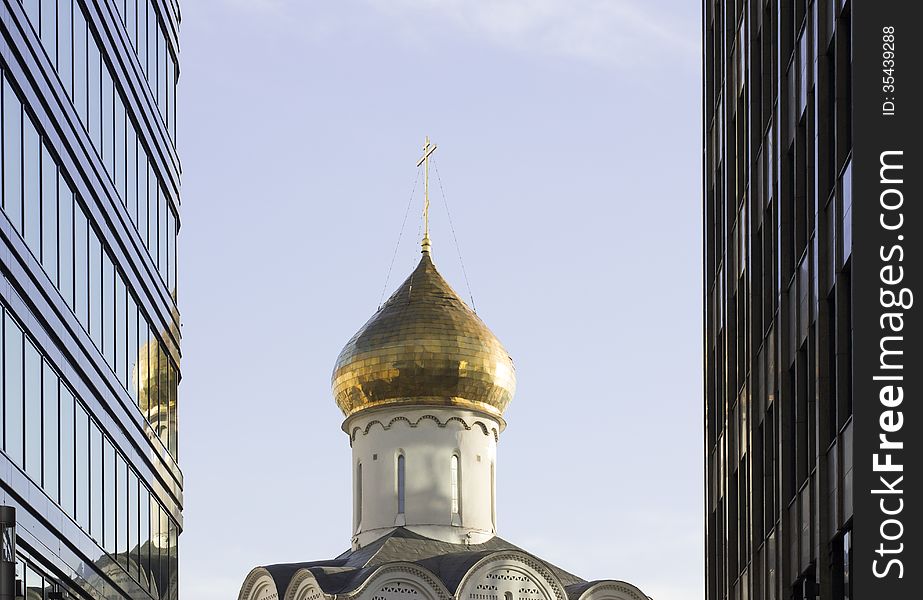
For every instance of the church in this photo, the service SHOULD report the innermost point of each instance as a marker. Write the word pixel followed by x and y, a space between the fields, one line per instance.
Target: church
pixel 423 386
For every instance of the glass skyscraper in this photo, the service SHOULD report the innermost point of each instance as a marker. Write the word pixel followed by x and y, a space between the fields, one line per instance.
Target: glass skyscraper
pixel 90 348
pixel 777 95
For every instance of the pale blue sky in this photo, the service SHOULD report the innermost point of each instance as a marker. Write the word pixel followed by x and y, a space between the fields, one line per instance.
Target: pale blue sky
pixel 569 148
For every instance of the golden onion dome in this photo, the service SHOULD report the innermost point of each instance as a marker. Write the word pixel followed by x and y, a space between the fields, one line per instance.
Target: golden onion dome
pixel 424 346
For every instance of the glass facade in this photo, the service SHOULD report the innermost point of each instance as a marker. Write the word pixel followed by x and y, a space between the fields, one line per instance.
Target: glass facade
pixel 777 297
pixel 89 325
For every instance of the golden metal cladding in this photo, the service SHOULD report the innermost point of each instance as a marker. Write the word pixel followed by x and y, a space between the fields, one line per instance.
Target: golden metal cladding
pixel 424 346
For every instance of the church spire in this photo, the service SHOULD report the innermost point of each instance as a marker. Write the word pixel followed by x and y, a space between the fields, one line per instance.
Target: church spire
pixel 428 149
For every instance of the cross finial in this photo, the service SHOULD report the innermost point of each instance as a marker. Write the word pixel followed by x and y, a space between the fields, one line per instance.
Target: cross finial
pixel 428 149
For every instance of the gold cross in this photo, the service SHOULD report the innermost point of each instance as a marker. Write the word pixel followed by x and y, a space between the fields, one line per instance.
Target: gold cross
pixel 427 150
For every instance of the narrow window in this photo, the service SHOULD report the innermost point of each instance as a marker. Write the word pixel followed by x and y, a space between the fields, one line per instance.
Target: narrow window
pixel 455 484
pixel 493 496
pixel 401 478
pixel 358 507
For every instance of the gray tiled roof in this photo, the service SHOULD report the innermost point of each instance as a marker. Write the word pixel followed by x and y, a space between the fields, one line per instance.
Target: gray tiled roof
pixel 449 562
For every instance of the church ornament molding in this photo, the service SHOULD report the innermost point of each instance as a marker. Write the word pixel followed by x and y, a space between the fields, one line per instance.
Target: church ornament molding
pixel 258 582
pixel 397 572
pixel 487 430
pixel 612 589
pixel 523 558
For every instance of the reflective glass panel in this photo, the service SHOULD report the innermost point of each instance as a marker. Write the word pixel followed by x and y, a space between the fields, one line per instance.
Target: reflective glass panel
pixel 109 508
pixel 80 65
pixel 33 391
pixel 67 450
pixel 94 281
pixel 65 48
pixel 51 434
pixel 108 310
pixel 49 215
pixel 13 400
pixel 31 186
pixel 94 93
pixel 82 452
pixel 66 241
pixel 96 482
pixel 121 333
pixel 133 523
pixel 12 155
pixel 49 21
pixel 107 114
pixel 81 267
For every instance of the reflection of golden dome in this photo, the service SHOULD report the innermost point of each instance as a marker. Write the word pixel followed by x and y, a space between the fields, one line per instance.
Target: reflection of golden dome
pixel 424 346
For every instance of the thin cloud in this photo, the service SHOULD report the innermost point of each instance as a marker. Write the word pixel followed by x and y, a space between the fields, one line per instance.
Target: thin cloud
pixel 613 32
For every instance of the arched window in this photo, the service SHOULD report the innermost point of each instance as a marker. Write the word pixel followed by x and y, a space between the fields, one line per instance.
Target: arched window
pixel 456 483
pixel 401 479
pixel 507 595
pixel 358 507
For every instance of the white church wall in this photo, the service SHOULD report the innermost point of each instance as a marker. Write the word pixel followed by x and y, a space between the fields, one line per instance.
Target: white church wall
pixel 427 438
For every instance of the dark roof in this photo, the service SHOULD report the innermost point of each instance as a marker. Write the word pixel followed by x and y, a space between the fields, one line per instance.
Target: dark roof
pixel 449 562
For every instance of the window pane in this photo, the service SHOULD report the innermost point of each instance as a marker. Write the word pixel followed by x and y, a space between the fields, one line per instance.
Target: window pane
pixel 32 11
pixel 67 450
pixel 12 155
pixel 162 227
pixel 96 482
pixel 152 199
pixel 120 148
pixel 131 381
pixel 163 386
pixel 49 215
pixel 171 254
pixel 172 405
pixel 152 48
pixel 80 65
pixel 81 266
pixel 121 510
pixel 50 28
pixel 142 34
pixel 31 186
pixel 66 241
pixel 107 112
pixel 133 524
pixel 144 528
pixel 33 390
pixel 94 93
pixel 121 333
pixel 131 173
pixel 94 281
pixel 12 340
pixel 51 433
pixel 108 484
pixel 82 450
pixel 108 310
pixel 65 49
pixel 130 23
pixel 143 171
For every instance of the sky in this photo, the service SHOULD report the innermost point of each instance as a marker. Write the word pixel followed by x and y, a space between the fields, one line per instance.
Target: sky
pixel 569 156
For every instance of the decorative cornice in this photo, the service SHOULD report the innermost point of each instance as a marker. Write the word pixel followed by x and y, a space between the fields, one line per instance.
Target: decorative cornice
pixel 486 429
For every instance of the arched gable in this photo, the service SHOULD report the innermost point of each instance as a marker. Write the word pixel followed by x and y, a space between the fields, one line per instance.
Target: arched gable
pixel 611 589
pixel 510 575
pixel 304 586
pixel 258 585
pixel 401 581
